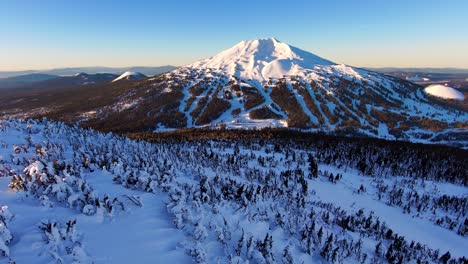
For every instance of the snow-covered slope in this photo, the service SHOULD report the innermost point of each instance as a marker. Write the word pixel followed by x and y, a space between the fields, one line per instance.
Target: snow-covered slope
pixel 69 195
pixel 129 76
pixel 265 82
pixel 444 92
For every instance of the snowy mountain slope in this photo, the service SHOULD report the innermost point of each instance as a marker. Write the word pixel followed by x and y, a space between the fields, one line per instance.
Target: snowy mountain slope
pixel 129 76
pixel 268 65
pixel 265 82
pixel 80 196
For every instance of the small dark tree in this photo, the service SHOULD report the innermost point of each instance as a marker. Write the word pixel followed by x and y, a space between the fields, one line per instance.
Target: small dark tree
pixel 445 258
pixel 327 248
pixel 287 255
pixel 313 167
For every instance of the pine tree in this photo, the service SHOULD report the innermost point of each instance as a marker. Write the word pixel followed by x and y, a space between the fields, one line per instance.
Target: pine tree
pixel 240 243
pixel 378 249
pixel 313 167
pixel 335 255
pixel 320 236
pixel 287 255
pixel 327 248
pixel 391 254
pixel 250 247
pixel 445 258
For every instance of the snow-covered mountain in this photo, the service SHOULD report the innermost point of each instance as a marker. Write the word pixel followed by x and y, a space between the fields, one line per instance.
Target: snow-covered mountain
pixel 129 76
pixel 268 83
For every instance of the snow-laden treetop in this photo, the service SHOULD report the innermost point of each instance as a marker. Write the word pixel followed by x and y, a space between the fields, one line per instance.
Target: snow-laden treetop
pixel 261 59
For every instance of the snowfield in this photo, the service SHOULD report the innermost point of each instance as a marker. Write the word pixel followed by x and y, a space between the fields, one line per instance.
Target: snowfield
pixel 69 195
pixel 444 92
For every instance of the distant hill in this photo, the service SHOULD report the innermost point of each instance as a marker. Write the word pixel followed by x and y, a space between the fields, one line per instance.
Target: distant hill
pixel 426 70
pixel 21 80
pixel 148 71
pixel 64 83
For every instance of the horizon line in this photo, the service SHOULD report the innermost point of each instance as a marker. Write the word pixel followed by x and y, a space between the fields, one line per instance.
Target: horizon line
pixel 177 66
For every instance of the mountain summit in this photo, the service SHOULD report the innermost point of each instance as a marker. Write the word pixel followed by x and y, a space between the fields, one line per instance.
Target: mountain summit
pixel 262 59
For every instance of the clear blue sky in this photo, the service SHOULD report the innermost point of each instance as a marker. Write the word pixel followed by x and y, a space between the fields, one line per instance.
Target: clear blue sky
pixel 38 34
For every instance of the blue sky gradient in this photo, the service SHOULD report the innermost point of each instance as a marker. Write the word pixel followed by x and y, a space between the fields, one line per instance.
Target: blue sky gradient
pixel 64 33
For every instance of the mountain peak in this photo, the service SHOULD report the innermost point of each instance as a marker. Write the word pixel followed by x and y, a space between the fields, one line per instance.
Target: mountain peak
pixel 261 40
pixel 261 59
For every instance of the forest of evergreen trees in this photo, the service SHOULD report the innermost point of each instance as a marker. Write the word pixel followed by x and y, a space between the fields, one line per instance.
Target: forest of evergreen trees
pixel 222 188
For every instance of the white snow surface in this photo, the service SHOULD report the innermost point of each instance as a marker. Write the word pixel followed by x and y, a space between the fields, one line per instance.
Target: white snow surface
pixel 445 92
pixel 129 76
pixel 261 59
